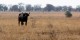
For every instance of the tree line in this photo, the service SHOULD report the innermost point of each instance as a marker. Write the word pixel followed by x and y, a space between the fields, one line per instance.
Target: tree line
pixel 49 7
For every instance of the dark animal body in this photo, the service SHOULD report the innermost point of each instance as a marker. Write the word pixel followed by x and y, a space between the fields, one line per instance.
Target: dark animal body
pixel 23 17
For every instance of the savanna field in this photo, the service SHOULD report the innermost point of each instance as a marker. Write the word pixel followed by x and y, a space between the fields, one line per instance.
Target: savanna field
pixel 41 26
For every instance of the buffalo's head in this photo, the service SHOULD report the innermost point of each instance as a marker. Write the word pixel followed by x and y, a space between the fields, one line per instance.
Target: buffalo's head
pixel 24 14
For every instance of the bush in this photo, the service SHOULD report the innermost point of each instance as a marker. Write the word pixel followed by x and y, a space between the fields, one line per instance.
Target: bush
pixel 68 14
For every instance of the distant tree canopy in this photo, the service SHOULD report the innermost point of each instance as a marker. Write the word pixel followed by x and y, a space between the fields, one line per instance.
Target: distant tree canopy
pixel 28 7
pixel 21 7
pixel 37 8
pixel 49 7
pixel 3 7
pixel 78 8
pixel 59 8
pixel 14 8
pixel 70 8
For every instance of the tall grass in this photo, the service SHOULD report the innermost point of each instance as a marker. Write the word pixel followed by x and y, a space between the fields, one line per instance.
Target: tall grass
pixel 41 26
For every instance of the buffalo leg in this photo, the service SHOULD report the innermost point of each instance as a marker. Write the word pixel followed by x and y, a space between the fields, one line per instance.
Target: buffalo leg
pixel 26 23
pixel 19 22
pixel 22 23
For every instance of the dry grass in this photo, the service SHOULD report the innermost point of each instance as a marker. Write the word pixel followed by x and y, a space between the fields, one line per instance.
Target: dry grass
pixel 43 26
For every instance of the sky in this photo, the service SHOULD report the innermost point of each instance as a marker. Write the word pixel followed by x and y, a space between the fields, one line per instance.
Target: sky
pixel 43 3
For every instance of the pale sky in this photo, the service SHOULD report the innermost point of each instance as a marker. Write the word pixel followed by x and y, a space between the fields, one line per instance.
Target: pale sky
pixel 72 3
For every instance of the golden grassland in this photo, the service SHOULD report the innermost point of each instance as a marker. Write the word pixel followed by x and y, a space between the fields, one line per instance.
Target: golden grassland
pixel 41 26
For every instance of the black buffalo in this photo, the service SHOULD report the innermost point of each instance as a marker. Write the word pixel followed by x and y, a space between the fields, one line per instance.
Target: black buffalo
pixel 23 17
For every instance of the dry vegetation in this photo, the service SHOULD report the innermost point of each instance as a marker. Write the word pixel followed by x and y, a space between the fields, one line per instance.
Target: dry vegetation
pixel 43 26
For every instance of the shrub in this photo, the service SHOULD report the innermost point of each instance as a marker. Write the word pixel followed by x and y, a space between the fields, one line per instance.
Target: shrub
pixel 68 14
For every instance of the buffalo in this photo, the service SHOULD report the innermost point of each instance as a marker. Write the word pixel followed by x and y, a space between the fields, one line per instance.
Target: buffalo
pixel 23 17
